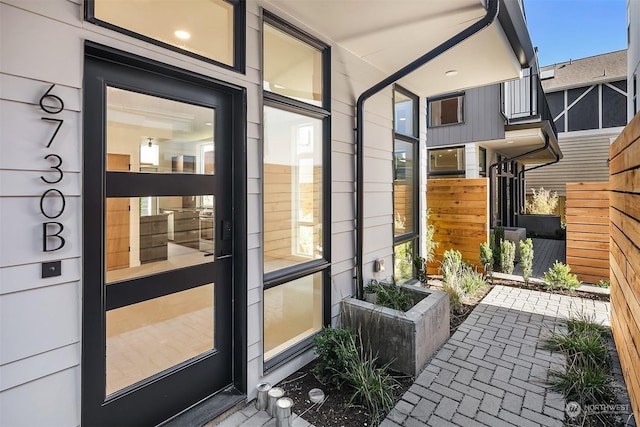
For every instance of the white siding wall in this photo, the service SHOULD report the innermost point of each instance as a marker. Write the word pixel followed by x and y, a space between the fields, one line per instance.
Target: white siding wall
pixel 40 319
pixel 584 159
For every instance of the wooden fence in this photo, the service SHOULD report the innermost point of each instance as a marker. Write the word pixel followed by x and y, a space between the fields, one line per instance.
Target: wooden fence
pixel 624 182
pixel 459 212
pixel 587 216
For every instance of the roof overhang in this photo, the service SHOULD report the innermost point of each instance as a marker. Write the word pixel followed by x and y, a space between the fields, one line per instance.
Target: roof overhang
pixel 521 139
pixel 389 34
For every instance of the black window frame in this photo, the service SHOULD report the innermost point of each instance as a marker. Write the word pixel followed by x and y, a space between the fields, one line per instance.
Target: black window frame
pixel 482 162
pixel 431 173
pixel 414 140
pixel 239 35
pixel 444 98
pixel 288 274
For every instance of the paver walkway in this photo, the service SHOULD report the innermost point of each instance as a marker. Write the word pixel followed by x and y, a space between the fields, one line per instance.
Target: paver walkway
pixel 492 370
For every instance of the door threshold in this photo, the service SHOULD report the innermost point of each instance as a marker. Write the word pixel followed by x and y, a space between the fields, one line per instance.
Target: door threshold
pixel 206 410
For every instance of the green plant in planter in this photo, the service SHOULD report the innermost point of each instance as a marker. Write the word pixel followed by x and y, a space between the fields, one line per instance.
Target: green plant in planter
pixel 559 276
pixel 370 290
pixel 394 296
pixel 507 256
pixel 543 202
pixel 526 259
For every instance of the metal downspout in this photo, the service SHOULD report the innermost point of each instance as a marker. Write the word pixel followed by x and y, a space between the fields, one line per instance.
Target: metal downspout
pixel 523 171
pixel 546 146
pixel 492 13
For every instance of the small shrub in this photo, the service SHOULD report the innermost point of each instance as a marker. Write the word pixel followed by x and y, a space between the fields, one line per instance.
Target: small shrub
pixel 394 296
pixel 486 256
pixel 559 276
pixel 590 384
pixel 603 284
pixel 543 202
pixel 526 259
pixel 453 289
pixel 335 348
pixel 451 264
pixel 471 281
pixel 420 266
pixel 494 240
pixel 507 256
pixel 430 243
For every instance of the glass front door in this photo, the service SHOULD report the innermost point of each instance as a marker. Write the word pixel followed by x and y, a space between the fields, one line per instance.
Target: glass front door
pixel 158 245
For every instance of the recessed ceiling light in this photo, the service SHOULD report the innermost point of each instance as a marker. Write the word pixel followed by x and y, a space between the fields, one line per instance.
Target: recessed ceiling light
pixel 402 119
pixel 182 35
pixel 451 73
pixel 209 124
pixel 509 142
pixel 277 86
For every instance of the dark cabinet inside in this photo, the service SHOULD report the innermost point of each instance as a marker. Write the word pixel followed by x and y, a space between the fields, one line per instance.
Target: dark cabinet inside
pixel 185 164
pixel 153 238
pixel 186 228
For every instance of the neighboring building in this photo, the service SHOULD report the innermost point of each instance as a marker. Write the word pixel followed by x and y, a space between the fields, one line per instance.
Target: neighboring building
pixel 492 131
pixel 177 186
pixel 588 101
pixel 633 56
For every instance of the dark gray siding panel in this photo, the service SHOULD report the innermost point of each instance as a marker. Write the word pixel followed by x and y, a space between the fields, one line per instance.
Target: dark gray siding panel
pixel 482 120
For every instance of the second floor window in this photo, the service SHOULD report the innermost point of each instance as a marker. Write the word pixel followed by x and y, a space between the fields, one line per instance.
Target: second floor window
pixel 446 110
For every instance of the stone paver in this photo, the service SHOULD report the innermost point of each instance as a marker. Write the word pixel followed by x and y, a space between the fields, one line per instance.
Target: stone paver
pixel 492 371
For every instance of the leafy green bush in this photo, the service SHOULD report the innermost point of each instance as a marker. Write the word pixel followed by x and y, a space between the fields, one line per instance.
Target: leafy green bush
pixel 507 256
pixel 543 202
pixel 526 259
pixel 335 348
pixel 559 276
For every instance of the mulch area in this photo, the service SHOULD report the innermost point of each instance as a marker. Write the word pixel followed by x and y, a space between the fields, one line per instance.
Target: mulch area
pixel 336 411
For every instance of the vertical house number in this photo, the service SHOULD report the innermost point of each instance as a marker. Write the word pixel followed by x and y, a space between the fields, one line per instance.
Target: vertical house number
pixel 52 201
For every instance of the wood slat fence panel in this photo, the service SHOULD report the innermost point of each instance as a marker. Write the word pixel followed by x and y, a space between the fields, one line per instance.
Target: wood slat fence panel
pixel 587 216
pixel 459 212
pixel 624 168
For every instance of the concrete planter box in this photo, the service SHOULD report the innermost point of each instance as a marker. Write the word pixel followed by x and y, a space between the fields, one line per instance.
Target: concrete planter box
pixel 541 225
pixel 405 339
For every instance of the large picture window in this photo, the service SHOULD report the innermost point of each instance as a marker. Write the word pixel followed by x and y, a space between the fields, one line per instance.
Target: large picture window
pixel 405 184
pixel 296 190
pixel 208 29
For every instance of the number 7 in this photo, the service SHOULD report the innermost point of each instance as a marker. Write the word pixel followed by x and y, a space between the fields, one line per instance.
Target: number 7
pixel 60 121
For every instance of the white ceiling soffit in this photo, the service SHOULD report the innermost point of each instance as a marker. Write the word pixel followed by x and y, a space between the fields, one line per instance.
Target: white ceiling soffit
pixel 525 140
pixel 390 34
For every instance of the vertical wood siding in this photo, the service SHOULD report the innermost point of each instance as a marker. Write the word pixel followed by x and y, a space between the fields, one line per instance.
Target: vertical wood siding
pixel 459 212
pixel 588 230
pixel 625 255
pixel 482 120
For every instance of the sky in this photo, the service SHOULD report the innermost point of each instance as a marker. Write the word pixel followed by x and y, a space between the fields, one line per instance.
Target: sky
pixel 574 29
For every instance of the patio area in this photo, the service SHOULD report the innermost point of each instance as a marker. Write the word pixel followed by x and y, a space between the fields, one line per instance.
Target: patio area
pixel 545 253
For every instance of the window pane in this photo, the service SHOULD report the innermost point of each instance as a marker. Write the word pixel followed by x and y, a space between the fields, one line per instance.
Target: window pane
pixel 403 188
pixel 446 111
pixel 292 312
pixel 203 27
pixel 404 109
pixel 157 135
pixel 403 255
pixel 447 159
pixel 146 338
pixel 292 189
pixel 148 235
pixel 291 67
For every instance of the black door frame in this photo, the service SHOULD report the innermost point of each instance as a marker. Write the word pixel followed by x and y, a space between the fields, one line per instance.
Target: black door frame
pixel 95 409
